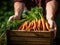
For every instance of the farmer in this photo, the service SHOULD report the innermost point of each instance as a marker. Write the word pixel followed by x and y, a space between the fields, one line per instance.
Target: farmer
pixel 49 9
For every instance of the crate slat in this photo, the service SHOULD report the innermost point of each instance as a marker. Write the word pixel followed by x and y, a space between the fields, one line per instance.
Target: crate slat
pixel 29 39
pixel 29 43
pixel 29 34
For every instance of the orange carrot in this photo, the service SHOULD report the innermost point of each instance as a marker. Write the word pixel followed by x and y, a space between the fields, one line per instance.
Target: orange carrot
pixel 39 24
pixel 47 26
pixel 34 27
pixel 43 23
pixel 23 26
pixel 20 27
pixel 30 26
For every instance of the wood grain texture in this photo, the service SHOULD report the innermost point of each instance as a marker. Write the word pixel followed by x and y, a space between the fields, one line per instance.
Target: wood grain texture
pixel 16 37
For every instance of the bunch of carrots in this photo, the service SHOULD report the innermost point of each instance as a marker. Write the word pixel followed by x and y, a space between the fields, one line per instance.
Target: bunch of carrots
pixel 35 22
pixel 35 25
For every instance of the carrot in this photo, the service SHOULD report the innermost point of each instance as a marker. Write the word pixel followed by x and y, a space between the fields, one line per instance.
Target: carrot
pixel 30 26
pixel 43 23
pixel 20 27
pixel 26 25
pixel 39 24
pixel 34 27
pixel 41 27
pixel 23 26
pixel 47 26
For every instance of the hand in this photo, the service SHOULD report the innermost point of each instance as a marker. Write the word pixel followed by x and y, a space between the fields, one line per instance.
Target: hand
pixel 13 17
pixel 53 26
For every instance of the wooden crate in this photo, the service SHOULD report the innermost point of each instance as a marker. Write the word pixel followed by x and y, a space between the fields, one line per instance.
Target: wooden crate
pixel 17 37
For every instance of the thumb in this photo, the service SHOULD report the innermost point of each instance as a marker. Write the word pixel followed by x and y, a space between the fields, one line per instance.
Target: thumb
pixel 55 26
pixel 11 18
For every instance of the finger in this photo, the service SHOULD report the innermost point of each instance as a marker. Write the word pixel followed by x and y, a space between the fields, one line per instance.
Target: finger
pixel 10 19
pixel 55 28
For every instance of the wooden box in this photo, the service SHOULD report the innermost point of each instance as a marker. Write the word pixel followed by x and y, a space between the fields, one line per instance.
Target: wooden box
pixel 17 37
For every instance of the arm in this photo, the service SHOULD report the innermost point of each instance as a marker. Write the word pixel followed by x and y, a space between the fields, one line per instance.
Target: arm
pixel 51 7
pixel 50 12
pixel 18 8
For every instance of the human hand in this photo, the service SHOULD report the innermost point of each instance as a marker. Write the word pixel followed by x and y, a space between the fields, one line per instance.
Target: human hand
pixel 13 17
pixel 53 26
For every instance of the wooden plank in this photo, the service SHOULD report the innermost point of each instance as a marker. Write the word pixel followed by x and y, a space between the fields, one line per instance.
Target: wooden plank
pixel 21 39
pixel 29 43
pixel 29 34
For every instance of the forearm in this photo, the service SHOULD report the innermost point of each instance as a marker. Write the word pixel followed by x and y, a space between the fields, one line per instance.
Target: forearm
pixel 18 8
pixel 50 12
pixel 51 9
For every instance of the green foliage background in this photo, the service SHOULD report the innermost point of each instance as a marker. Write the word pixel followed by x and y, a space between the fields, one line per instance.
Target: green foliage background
pixel 6 10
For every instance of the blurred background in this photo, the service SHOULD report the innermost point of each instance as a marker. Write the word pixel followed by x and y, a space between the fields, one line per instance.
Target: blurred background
pixel 6 10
